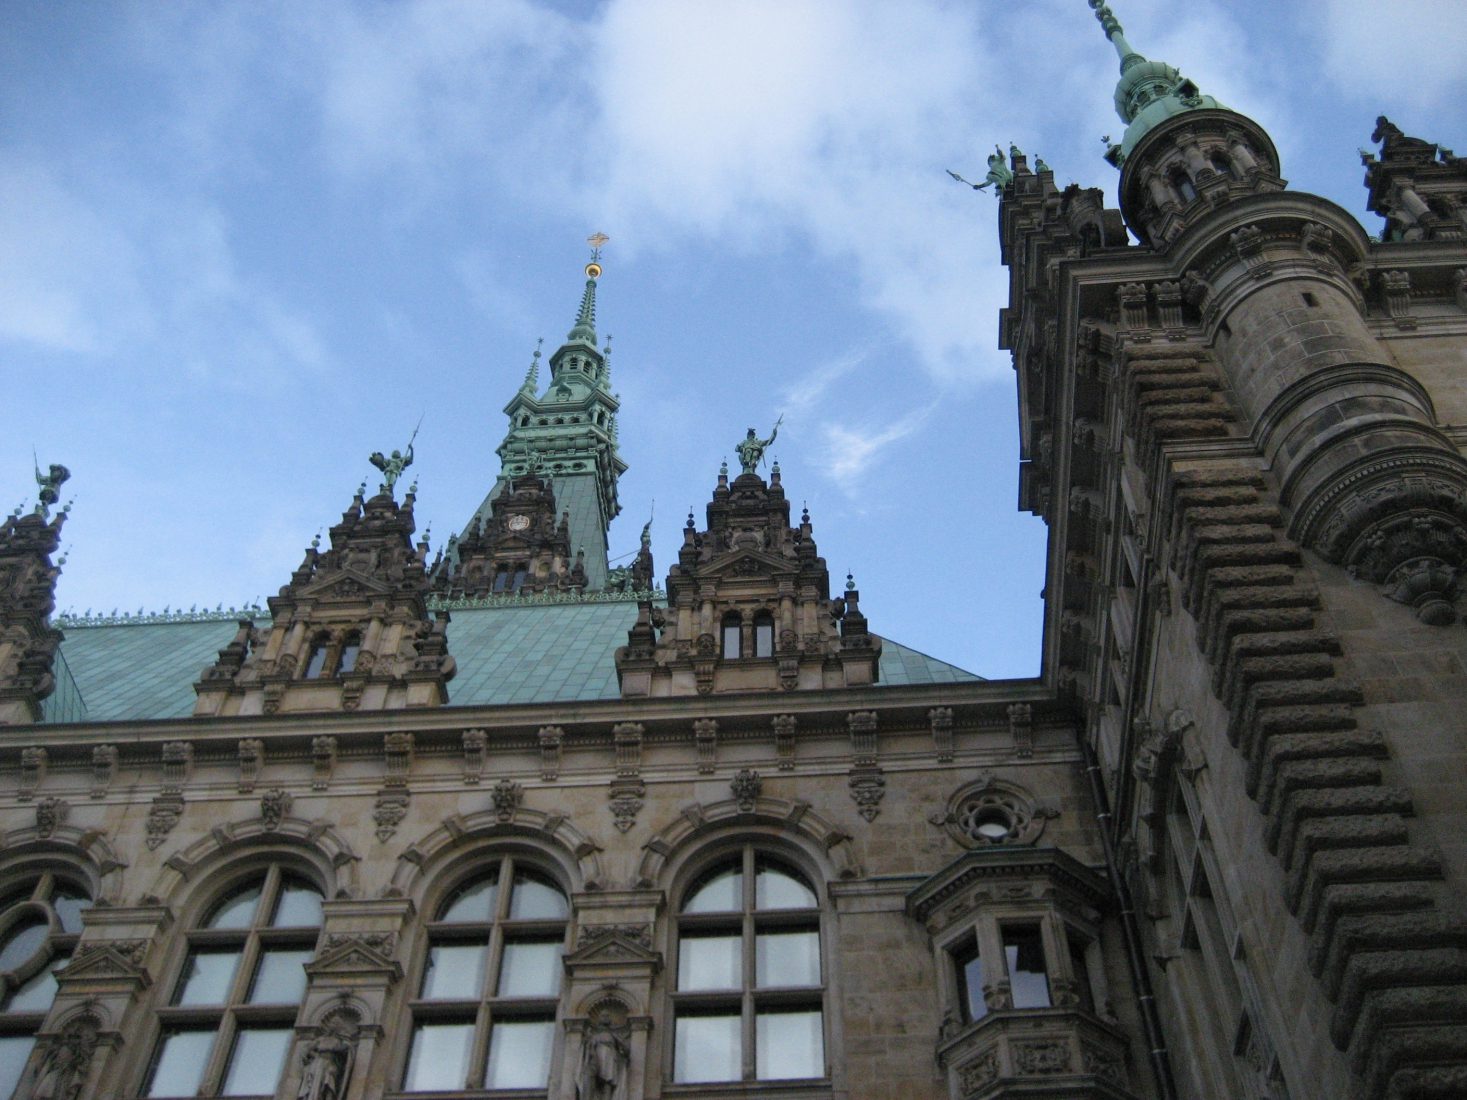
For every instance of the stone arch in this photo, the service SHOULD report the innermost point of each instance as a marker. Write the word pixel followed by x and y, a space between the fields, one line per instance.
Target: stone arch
pixel 772 816
pixel 552 833
pixel 317 841
pixel 609 995
pixel 86 851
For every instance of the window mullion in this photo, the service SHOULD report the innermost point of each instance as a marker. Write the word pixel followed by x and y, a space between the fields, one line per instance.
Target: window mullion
pixel 749 972
pixel 45 886
pixel 213 1077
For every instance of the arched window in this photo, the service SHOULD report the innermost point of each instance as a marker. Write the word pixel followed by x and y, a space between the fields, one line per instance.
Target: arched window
pixel 763 634
pixel 39 924
pixel 351 646
pixel 316 660
pixel 228 1025
pixel 732 636
pixel 1183 183
pixel 1221 165
pixel 749 999
pixel 484 1016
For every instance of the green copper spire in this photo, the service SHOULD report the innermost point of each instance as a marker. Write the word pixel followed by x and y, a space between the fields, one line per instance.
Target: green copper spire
pixel 1148 91
pixel 531 384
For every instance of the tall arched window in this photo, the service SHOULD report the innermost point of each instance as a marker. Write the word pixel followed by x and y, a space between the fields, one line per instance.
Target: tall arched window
pixel 484 1016
pixel 39 924
pixel 1183 183
pixel 316 659
pixel 763 634
pixel 732 636
pixel 749 1000
pixel 351 647
pixel 228 1025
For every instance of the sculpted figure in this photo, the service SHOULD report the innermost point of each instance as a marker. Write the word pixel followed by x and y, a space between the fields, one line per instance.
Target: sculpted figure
pixel 325 1067
pixel 49 483
pixel 751 448
pixel 393 467
pixel 605 1058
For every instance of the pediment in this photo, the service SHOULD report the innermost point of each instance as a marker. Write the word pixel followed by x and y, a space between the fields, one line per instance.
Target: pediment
pixel 346 584
pixel 613 944
pixel 107 960
pixel 355 954
pixel 746 562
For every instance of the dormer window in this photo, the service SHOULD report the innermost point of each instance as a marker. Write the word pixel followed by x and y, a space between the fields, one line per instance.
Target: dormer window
pixel 732 636
pixel 763 634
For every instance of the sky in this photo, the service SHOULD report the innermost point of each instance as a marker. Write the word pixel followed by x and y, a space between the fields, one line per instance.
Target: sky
pixel 243 246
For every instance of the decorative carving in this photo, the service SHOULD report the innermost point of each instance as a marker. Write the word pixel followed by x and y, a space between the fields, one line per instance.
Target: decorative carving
pixel 32 771
pixel 398 748
pixel 746 786
pixel 163 815
pixel 274 805
pixel 992 811
pixel 626 799
pixel 474 741
pixel 606 1054
pixel 868 788
pixel 1427 585
pixel 862 727
pixel 106 958
pixel 1103 1063
pixel 104 769
pixel 940 719
pixel 1042 1057
pixel 592 934
pixel 323 761
pixel 251 760
pixel 974 1075
pixel 67 1058
pixel 552 741
pixel 506 796
pixel 1131 301
pixel 389 810
pixel 784 740
pixel 178 758
pixel 327 1059
pixel 705 737
pixel 50 813
pixel 1395 289
pixel 1021 729
pixel 627 736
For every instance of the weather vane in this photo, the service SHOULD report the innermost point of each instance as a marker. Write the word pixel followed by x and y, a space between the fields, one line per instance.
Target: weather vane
pixel 595 240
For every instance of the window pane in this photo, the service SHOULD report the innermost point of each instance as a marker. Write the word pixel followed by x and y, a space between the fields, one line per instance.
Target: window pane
pixel 439 1059
pixel 237 909
pixel 14 1050
pixel 348 658
pixel 69 904
pixel 280 977
pixel 535 899
pixel 530 969
pixel 316 662
pixel 455 971
pixel 299 906
pixel 206 977
pixel 256 1061
pixel 23 941
pixel 472 902
pixel 787 958
pixel 970 980
pixel 720 892
pixel 519 1054
pixel 36 994
pixel 1024 952
pixel 706 1048
pixel 788 1044
pixel 180 1064
pixel 730 641
pixel 1080 970
pixel 763 639
pixel 778 889
pixel 710 962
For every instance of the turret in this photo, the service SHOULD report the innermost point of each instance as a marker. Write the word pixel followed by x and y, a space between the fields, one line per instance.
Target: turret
pixel 28 641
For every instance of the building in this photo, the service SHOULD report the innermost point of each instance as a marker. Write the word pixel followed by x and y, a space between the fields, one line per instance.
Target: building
pixel 509 822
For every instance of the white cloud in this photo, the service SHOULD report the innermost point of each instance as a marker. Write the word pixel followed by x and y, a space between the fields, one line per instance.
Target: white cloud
pixel 849 452
pixel 1410 52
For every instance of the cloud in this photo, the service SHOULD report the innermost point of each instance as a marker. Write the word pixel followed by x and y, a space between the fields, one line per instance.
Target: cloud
pixel 849 452
pixel 1413 52
pixel 810 386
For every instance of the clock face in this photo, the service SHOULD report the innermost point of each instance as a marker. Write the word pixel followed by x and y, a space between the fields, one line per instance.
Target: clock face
pixel 518 523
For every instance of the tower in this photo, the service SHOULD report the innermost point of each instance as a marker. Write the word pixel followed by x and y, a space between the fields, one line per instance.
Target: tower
pixel 568 434
pixel 1238 429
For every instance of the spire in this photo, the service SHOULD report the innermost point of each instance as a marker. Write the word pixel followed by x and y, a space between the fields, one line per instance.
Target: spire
pixel 531 383
pixel 1148 91
pixel 584 330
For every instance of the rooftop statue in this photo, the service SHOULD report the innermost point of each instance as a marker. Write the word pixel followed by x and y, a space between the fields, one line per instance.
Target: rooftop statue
pixel 751 448
pixel 393 467
pixel 998 173
pixel 49 483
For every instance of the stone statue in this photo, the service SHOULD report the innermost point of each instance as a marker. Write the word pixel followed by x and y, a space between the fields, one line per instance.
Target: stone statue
pixel 751 448
pixel 63 1070
pixel 393 467
pixel 325 1067
pixel 605 1059
pixel 49 483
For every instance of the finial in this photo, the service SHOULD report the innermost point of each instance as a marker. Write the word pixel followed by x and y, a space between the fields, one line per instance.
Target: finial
pixel 413 488
pixel 362 489
pixel 1112 27
pixel 690 523
pixel 723 468
pixel 1040 166
pixel 850 582
pixel 62 559
pixel 595 240
pixel 531 383
pixel 804 512
pixel 316 540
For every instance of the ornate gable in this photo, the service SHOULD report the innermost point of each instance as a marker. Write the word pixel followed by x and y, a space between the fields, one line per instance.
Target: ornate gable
pixel 521 547
pixel 748 607
pixel 28 642
pixel 350 631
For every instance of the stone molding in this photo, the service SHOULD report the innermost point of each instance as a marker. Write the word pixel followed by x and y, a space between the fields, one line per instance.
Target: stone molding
pixel 457 831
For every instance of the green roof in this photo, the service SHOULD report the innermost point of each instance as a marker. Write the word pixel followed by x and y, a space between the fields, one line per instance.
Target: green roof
pixel 537 653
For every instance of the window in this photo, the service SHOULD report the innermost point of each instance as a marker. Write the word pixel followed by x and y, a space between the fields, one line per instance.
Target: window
pixel 749 983
pixel 39 925
pixel 316 661
pixel 1183 183
pixel 968 965
pixel 732 636
pixel 764 634
pixel 228 1026
pixel 351 646
pixel 484 1016
pixel 1023 954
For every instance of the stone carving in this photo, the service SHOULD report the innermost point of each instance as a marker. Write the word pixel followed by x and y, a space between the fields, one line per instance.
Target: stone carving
pixel 104 769
pixel 1459 287
pixel 862 727
pixel 784 740
pixel 32 771
pixel 506 796
pixel 626 797
pixel 705 737
pixel 178 758
pixel 327 1060
pixel 1317 238
pixel 50 813
pixel 746 786
pixel 251 760
pixel 62 1072
pixel 1131 300
pixel 1021 729
pixel 163 815
pixel 980 1071
pixel 390 809
pixel 993 811
pixel 552 741
pixel 1195 288
pixel 868 788
pixel 274 805
pixel 323 761
pixel 474 741
pixel 941 721
pixel 1395 289
pixel 1102 1063
pixel 1042 1058
pixel 751 448
pixel 606 1055
pixel 592 934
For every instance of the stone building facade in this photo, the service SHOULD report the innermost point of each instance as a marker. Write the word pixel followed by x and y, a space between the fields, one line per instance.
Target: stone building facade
pixel 511 823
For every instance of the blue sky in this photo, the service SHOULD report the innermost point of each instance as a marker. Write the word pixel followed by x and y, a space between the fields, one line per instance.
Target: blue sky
pixel 244 245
